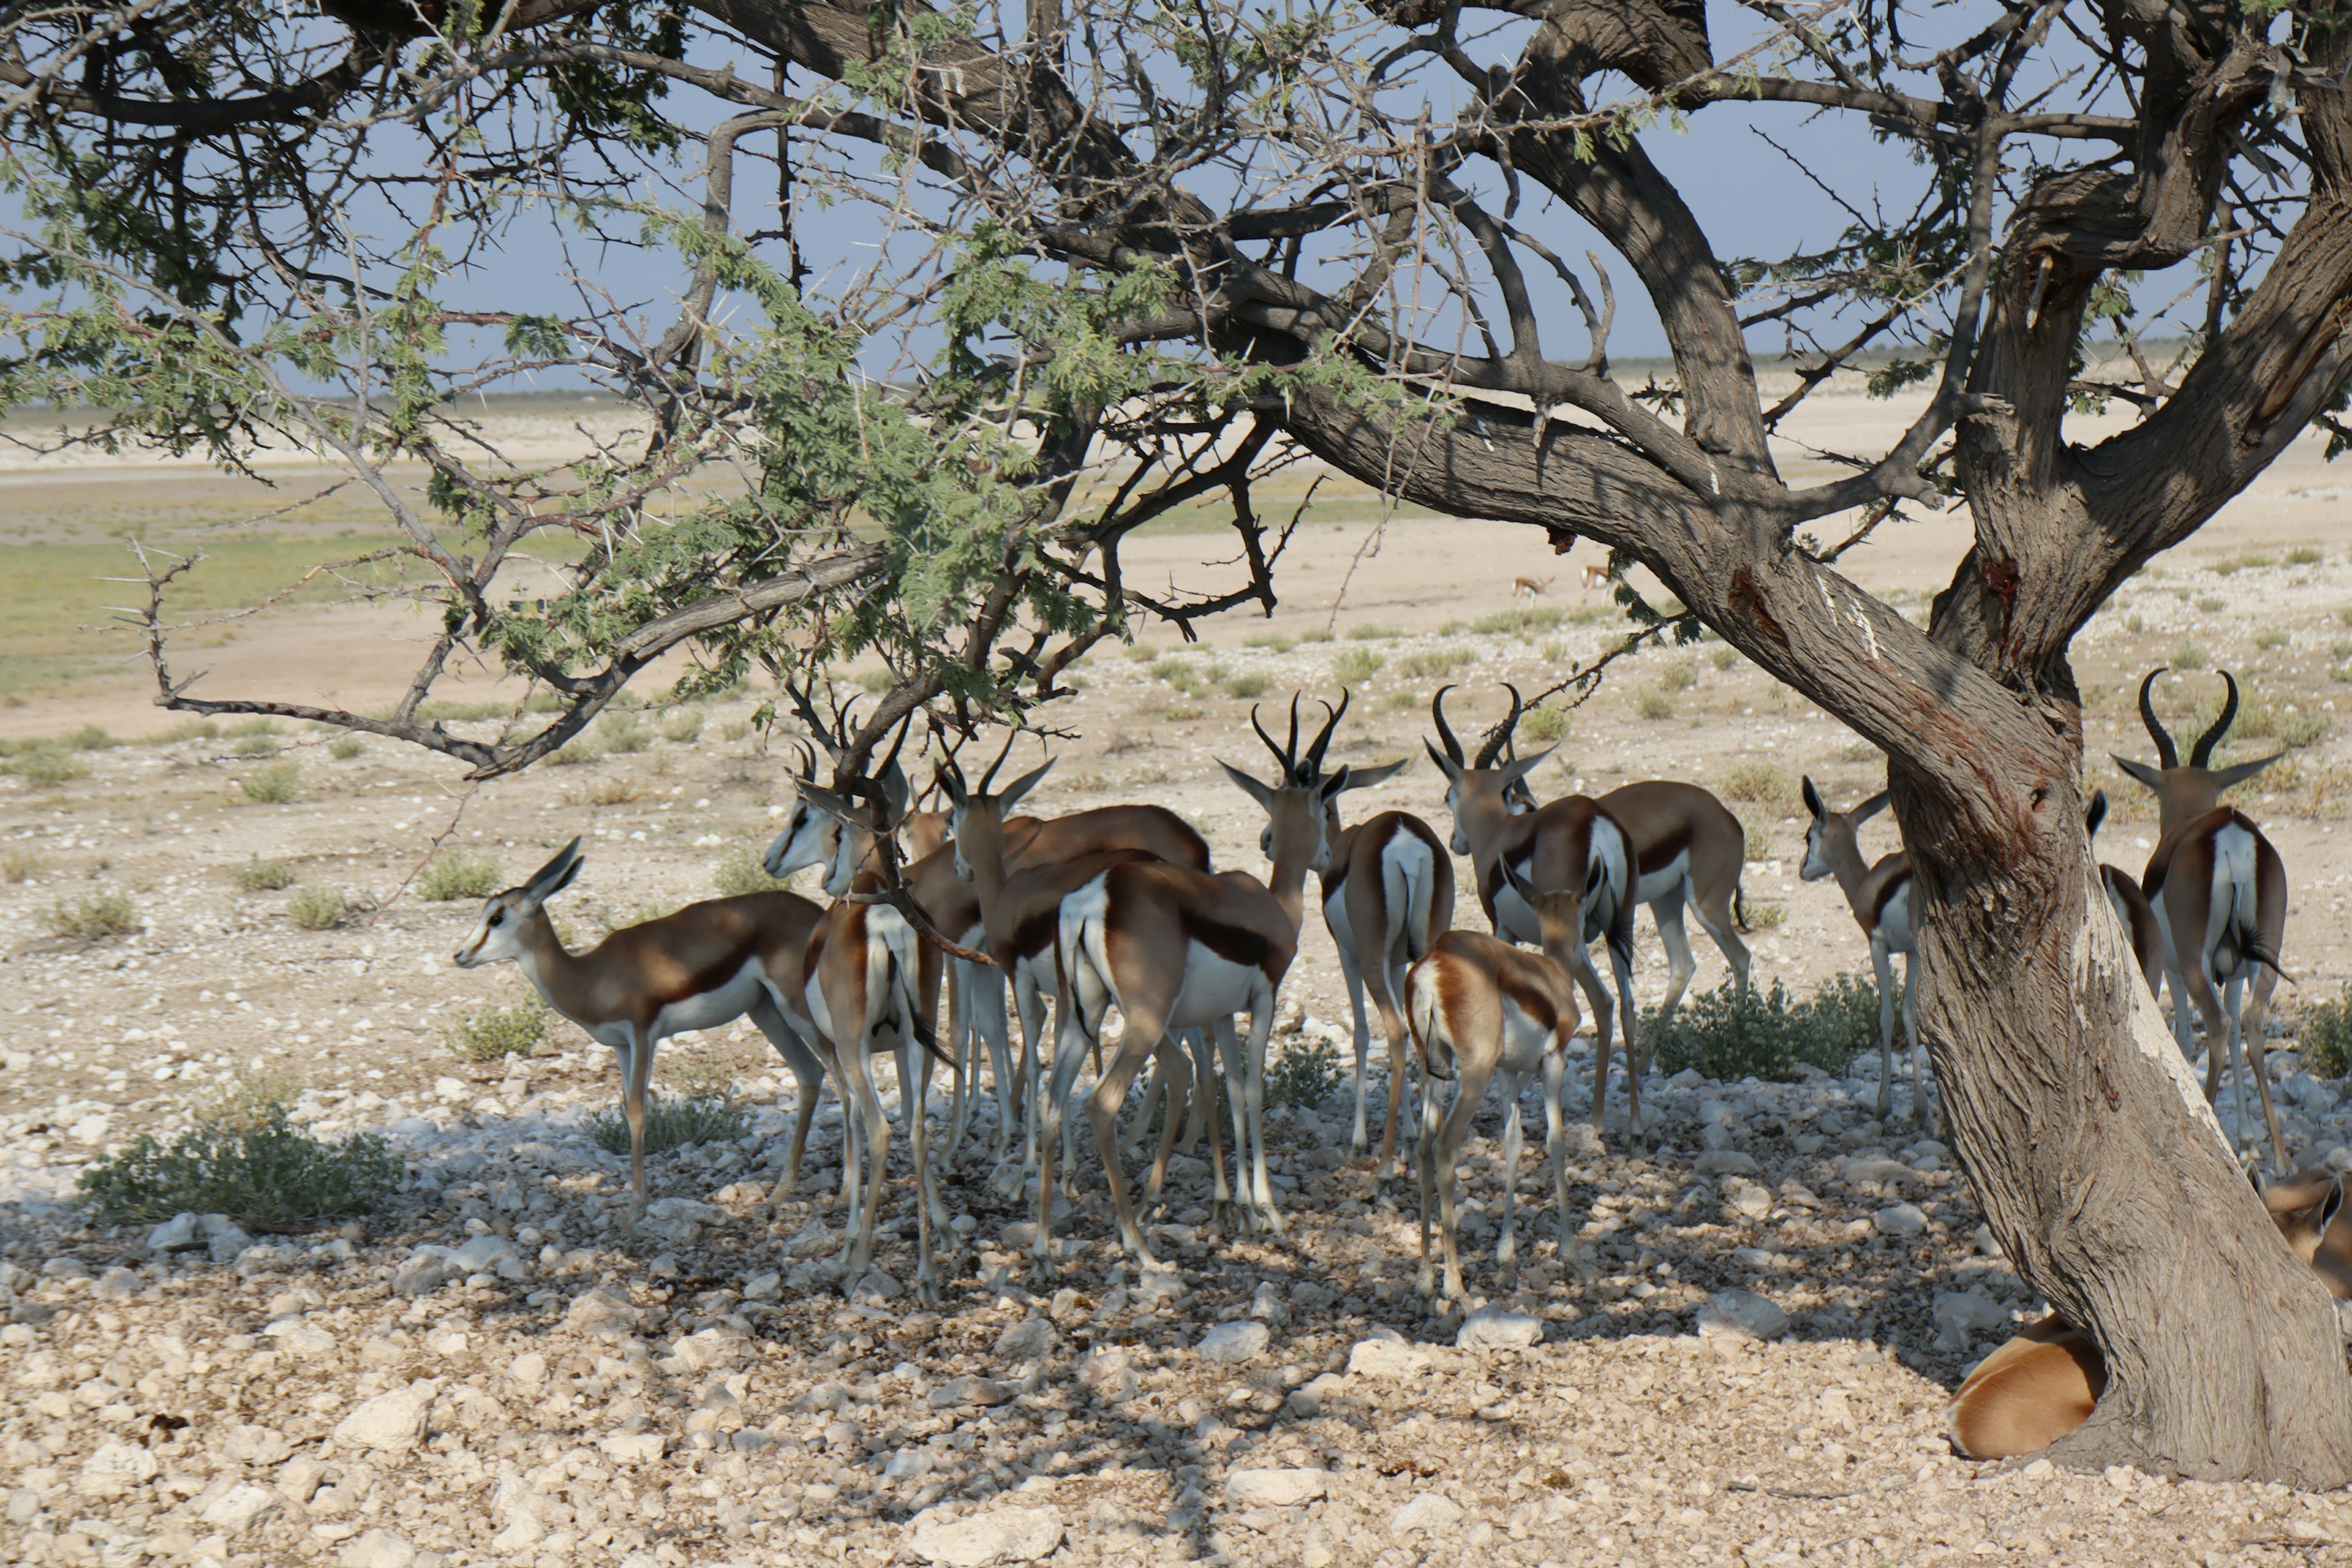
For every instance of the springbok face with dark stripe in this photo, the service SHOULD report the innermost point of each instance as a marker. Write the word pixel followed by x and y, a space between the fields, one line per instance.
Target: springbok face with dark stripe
pixel 1482 794
pixel 2189 790
pixel 499 937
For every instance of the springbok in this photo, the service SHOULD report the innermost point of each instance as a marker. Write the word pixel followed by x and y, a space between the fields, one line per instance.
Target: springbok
pixel 2131 905
pixel 1174 947
pixel 1880 896
pixel 2220 892
pixel 1571 846
pixel 1590 577
pixel 2043 1383
pixel 1480 1006
pixel 1526 590
pixel 701 966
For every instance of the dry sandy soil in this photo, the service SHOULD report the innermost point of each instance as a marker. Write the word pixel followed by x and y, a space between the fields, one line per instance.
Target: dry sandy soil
pixel 700 1391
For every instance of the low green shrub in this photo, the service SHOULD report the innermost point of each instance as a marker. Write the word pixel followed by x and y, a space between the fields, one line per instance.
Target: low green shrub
pixel 1762 784
pixel 2189 655
pixel 1246 684
pixel 742 871
pixel 1436 664
pixel 1304 1074
pixel 685 729
pixel 1355 665
pixel 1545 724
pixel 1656 705
pixel 1273 642
pixel 273 784
pixel 109 912
pixel 2324 1037
pixel 623 732
pixel 1767 1034
pixel 45 767
pixel 317 907
pixel 671 1121
pixel 494 1032
pixel 1679 674
pixel 259 876
pixel 20 866
pixel 1535 618
pixel 455 874
pixel 244 1158
pixel 2304 555
pixel 1372 631
pixel 343 748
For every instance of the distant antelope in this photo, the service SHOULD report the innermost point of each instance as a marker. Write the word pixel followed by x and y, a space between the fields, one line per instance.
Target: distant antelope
pixel 1526 590
pixel 2219 889
pixel 1880 896
pixel 2045 1381
pixel 1591 577
pixel 1480 1006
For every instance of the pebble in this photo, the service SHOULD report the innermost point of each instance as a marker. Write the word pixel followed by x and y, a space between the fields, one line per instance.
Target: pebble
pixel 1429 1511
pixel 1492 1328
pixel 1901 1220
pixel 392 1423
pixel 1232 1345
pixel 1001 1535
pixel 379 1548
pixel 1727 1162
pixel 1028 1339
pixel 1386 1358
pixel 115 1468
pixel 1741 1315
pixel 1275 1489
pixel 238 1507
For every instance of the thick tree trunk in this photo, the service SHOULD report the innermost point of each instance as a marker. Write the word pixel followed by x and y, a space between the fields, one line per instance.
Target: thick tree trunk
pixel 2102 1170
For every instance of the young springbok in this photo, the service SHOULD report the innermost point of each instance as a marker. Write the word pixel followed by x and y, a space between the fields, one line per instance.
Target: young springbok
pixel 701 966
pixel 2131 905
pixel 1174 947
pixel 2044 1382
pixel 2220 893
pixel 1880 896
pixel 1480 1008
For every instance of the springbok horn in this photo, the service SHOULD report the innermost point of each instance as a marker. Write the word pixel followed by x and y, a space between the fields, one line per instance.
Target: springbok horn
pixel 1501 733
pixel 1268 740
pixel 1311 768
pixel 990 776
pixel 1445 731
pixel 2201 754
pixel 2166 756
pixel 1291 748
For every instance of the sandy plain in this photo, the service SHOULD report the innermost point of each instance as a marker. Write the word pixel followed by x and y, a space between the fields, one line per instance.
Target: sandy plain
pixel 719 1401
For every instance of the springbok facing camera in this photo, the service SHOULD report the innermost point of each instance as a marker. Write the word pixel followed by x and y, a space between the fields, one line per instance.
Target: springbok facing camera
pixel 1880 896
pixel 704 965
pixel 2219 889
pixel 1478 1007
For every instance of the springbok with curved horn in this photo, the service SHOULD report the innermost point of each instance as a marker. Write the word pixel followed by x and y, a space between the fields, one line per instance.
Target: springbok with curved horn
pixel 1388 893
pixel 1480 1006
pixel 2131 905
pixel 1880 896
pixel 696 968
pixel 1174 947
pixel 1571 846
pixel 2220 893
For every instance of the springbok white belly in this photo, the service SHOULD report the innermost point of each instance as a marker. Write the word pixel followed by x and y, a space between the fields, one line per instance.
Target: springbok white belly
pixel 1655 885
pixel 1524 1039
pixel 1215 987
pixel 1895 921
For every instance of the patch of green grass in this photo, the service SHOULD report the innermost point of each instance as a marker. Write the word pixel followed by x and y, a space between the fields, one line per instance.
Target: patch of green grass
pixel 343 748
pixel 624 732
pixel 1399 700
pixel 2211 605
pixel 317 907
pixel 1141 653
pixel 1762 784
pixel 91 738
pixel 1372 631
pixel 574 753
pixel 1246 684
pixel 244 1158
pixel 685 729
pixel 245 729
pixel 109 912
pixel 20 865
pixel 742 871
pixel 492 1033
pixel 46 768
pixel 1353 667
pixel 2275 637
pixel 1755 839
pixel 273 784
pixel 2135 623
pixel 1765 917
pixel 1656 706
pixel 1179 673
pixel 878 681
pixel 2304 555
pixel 1182 712
pixel 1767 1034
pixel 1535 618
pixel 1273 642
pixel 671 1121
pixel 2189 655
pixel 259 876
pixel 1724 657
pixel 463 712
pixel 1323 634
pixel 1545 724
pixel 1679 674
pixel 1304 1074
pixel 455 874
pixel 1436 663
pixel 2248 562
pixel 192 729
pixel 737 730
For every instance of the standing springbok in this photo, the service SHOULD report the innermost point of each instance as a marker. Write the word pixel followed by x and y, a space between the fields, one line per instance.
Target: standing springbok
pixel 701 966
pixel 2131 905
pixel 2220 893
pixel 1526 590
pixel 1174 947
pixel 1571 846
pixel 1480 1006
pixel 1880 896
pixel 2044 1382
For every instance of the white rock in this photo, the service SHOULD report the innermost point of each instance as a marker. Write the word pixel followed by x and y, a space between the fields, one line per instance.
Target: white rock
pixel 968 1389
pixel 239 1506
pixel 392 1423
pixel 824 1396
pixel 1492 1328
pixel 908 1465
pixel 1028 1339
pixel 1741 1315
pixel 120 1284
pixel 248 1445
pixel 522 1532
pixel 481 1255
pixel 876 1286
pixel 424 1271
pixel 1755 1259
pixel 1386 1358
pixel 632 1447
pixel 1230 1344
pixel 721 1345
pixel 1267 1305
pixel 1960 1314
pixel 116 1468
pixel 379 1548
pixel 302 1338
pixel 1429 1511
pixel 222 1245
pixel 764 1286
pixel 1001 1535
pixel 1275 1489
pixel 173 1234
pixel 1751 1200
pixel 529 1369
pixel 1901 1220
pixel 1727 1162
pixel 603 1313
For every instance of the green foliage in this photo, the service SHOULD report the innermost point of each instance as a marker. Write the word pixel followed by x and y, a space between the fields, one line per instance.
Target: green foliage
pixel 1656 705
pixel 343 748
pixel 259 876
pixel 1372 631
pixel 1678 675
pixel 317 907
pixel 2189 655
pixel 47 766
pixel 1353 667
pixel 91 738
pixel 2275 638
pixel 455 874
pixel 685 727
pixel 1763 783
pixel 1273 642
pixel 20 865
pixel 109 912
pixel 2306 555
pixel 671 1122
pixel 1246 684
pixel 1434 664
pixel 492 1032
pixel 1323 634
pixel 244 1158
pixel 1768 1036
pixel 1304 1073
pixel 2323 1036
pixel 273 784
pixel 1545 723
pixel 742 871
pixel 1755 839
pixel 1534 619
pixel 1724 657
pixel 623 732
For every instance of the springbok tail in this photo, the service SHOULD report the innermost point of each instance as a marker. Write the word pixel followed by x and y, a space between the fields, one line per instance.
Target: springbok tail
pixel 897 954
pixel 1740 909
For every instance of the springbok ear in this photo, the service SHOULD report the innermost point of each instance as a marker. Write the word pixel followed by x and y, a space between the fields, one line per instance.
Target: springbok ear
pixel 1518 884
pixel 1329 790
pixel 1262 793
pixel 1446 764
pixel 2330 1205
pixel 1813 802
pixel 948 779
pixel 1365 778
pixel 1870 808
pixel 2095 814
pixel 1025 783
pixel 1512 772
pixel 555 876
pixel 825 800
pixel 2139 773
pixel 2237 773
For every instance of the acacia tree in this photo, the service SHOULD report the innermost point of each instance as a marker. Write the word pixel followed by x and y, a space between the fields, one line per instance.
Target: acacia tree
pixel 1117 259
